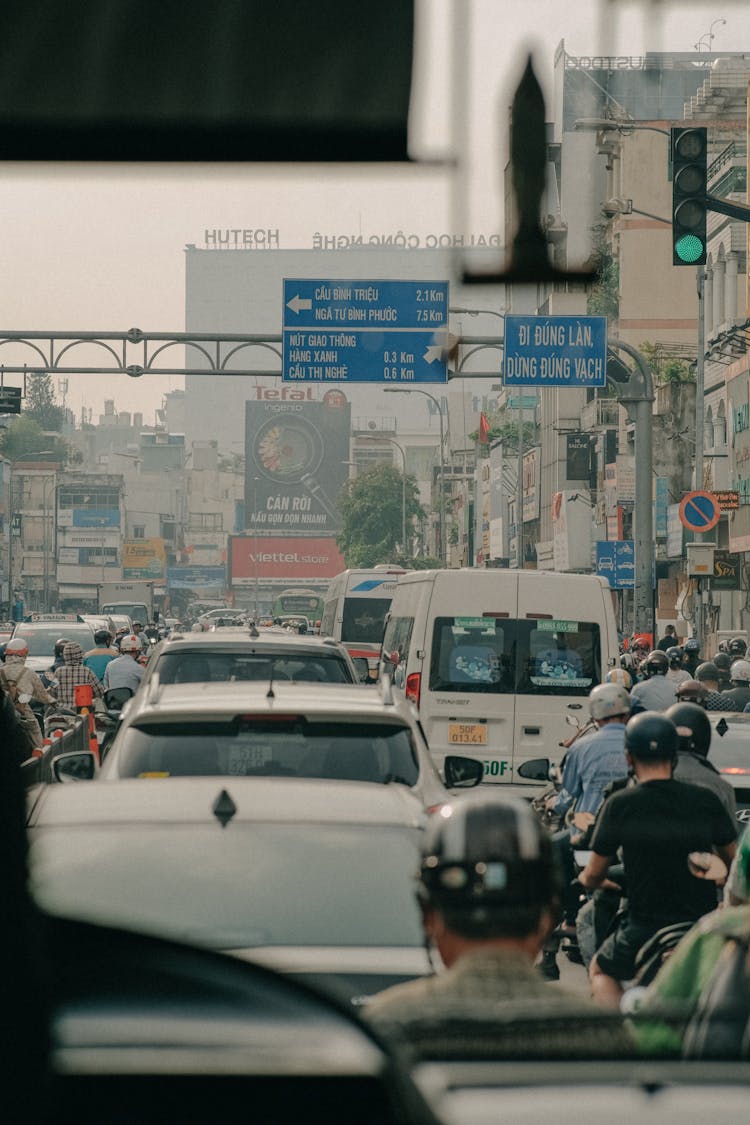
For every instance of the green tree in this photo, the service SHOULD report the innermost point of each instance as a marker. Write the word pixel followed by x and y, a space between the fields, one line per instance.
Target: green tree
pixel 40 402
pixel 604 294
pixel 371 508
pixel 25 436
pixel 667 368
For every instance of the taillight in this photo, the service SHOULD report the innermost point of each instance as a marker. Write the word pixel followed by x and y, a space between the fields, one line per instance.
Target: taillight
pixel 413 684
pixel 735 770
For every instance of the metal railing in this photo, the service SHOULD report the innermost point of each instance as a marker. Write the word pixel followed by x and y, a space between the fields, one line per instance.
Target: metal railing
pixel 38 769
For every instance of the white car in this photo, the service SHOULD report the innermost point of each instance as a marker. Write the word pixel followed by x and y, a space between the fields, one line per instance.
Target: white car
pixel 280 729
pixel 313 878
pixel 730 755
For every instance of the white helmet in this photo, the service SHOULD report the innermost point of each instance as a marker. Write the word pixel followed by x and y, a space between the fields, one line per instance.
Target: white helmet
pixel 620 676
pixel 739 672
pixel 130 643
pixel 17 646
pixel 609 700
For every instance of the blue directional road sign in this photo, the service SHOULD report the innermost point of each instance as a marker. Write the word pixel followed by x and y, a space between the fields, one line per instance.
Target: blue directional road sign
pixel 615 561
pixel 555 351
pixel 353 331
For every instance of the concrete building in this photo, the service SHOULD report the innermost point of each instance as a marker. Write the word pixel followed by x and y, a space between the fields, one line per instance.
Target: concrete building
pixel 89 531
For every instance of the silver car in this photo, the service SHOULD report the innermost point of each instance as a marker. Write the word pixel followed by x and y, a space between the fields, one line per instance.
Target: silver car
pixel 280 729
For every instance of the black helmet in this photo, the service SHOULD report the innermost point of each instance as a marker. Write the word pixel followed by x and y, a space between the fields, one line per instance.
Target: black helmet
pixel 723 661
pixel 488 866
pixel 693 727
pixel 652 737
pixel 692 644
pixel 657 663
pixel 674 655
pixel 102 637
pixel 60 644
pixel 707 671
pixel 737 647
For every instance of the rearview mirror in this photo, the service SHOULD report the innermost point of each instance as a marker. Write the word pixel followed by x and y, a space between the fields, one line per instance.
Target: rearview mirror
pixel 537 769
pixel 79 765
pixel 462 773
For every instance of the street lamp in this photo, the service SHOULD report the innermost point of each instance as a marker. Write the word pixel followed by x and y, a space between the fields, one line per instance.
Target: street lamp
pixel 419 391
pixel 400 448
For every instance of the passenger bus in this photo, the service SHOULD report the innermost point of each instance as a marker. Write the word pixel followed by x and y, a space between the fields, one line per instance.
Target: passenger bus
pixel 355 608
pixel 307 603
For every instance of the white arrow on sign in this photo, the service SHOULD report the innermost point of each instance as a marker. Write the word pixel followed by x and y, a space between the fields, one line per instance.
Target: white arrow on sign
pixel 433 352
pixel 298 303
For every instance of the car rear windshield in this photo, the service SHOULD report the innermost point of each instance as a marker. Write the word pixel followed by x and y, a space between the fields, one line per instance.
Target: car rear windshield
pixel 364 620
pixel 731 750
pixel 42 642
pixel 246 885
pixel 506 656
pixel 293 747
pixel 319 667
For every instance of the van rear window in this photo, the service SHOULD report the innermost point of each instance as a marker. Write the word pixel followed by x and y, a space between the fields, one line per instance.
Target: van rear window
pixel 499 656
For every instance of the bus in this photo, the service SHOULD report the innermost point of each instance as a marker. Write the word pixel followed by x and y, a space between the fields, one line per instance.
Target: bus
pixel 355 608
pixel 299 600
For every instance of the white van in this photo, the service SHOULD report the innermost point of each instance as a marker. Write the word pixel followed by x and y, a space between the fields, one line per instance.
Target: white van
pixel 355 607
pixel 494 660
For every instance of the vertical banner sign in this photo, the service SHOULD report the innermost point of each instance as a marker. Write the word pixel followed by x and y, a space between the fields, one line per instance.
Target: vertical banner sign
pixel 578 457
pixel 296 456
pixel 661 503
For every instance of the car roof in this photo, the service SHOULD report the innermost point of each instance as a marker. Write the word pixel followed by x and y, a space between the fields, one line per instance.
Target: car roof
pixel 243 638
pixel 195 701
pixel 257 800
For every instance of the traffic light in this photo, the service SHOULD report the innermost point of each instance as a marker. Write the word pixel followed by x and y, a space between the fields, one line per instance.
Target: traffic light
pixel 689 175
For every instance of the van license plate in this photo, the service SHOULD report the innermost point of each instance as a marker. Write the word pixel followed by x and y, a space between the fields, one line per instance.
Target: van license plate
pixel 467 734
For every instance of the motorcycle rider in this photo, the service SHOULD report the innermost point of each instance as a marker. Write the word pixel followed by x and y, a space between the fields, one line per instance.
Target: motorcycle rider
pixel 691 655
pixel 723 662
pixel 590 765
pixel 737 648
pixel 57 661
pixel 738 695
pixel 488 889
pixel 21 680
pixel 692 764
pixel 676 673
pixel 73 674
pixel 656 823
pixel 669 640
pixel 124 670
pixel 691 691
pixel 655 693
pixel 707 675
pixel 99 657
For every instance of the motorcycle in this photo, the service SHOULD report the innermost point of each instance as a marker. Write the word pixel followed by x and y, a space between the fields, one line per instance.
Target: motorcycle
pixel 108 720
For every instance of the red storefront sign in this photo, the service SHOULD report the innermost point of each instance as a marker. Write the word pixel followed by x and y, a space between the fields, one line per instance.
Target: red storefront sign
pixel 265 556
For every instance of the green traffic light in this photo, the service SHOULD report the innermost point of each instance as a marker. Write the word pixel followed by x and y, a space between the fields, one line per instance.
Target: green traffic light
pixel 689 248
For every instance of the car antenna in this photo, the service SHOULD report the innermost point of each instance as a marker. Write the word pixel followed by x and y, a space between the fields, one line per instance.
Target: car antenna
pixel 270 694
pixel 253 630
pixel 224 808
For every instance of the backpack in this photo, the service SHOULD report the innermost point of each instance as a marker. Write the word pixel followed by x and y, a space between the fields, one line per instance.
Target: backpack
pixel 720 1026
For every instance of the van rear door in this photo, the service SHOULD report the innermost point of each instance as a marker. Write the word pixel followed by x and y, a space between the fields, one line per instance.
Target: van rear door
pixel 563 645
pixel 467 703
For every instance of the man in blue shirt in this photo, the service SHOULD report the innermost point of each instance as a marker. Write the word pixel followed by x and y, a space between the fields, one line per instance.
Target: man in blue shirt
pixel 590 765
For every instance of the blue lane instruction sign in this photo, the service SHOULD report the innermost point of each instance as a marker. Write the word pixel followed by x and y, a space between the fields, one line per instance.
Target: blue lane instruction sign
pixel 615 561
pixel 355 331
pixel 555 351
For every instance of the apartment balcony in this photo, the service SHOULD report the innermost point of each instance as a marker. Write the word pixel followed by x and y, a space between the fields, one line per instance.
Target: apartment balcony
pixel 600 413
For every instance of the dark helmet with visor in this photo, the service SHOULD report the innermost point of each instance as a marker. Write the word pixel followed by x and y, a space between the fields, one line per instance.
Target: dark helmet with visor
pixel 488 866
pixel 651 736
pixel 693 727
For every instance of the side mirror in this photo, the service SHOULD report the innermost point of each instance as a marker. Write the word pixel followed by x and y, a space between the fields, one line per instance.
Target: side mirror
pixel 535 770
pixel 462 773
pixel 79 765
pixel 362 668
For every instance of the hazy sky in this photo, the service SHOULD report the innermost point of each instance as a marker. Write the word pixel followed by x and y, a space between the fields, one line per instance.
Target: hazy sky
pixel 100 249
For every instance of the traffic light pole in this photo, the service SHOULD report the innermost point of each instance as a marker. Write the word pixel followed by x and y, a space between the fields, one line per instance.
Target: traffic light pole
pixel 637 396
